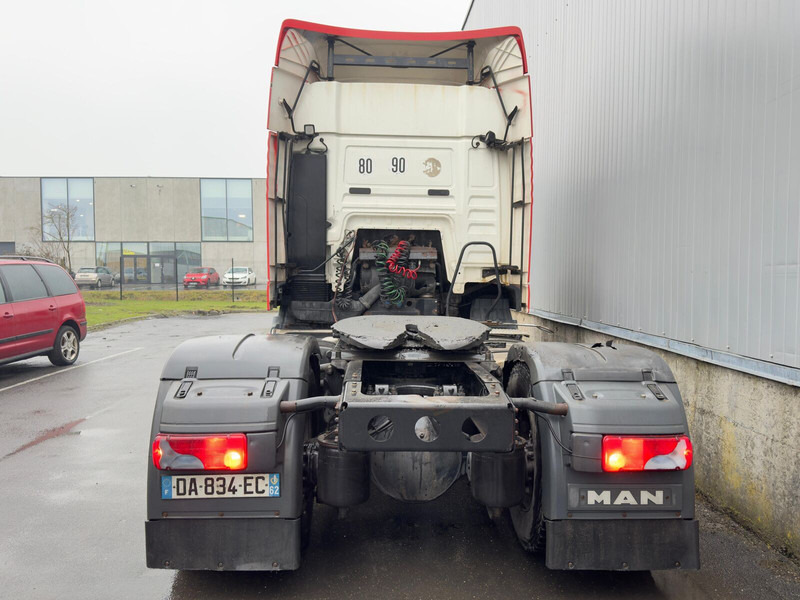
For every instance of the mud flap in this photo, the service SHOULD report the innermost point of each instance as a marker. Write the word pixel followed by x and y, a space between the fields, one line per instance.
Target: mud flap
pixel 617 545
pixel 223 544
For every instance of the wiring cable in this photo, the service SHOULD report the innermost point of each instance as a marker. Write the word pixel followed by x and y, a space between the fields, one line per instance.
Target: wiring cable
pixel 285 428
pixel 558 440
pixel 342 269
pixel 348 239
pixel 310 150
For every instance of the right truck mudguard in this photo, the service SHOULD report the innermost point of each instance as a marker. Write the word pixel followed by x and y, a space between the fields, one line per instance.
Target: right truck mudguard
pixel 584 507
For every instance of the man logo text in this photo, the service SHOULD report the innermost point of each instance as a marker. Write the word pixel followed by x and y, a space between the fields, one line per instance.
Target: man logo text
pixel 625 497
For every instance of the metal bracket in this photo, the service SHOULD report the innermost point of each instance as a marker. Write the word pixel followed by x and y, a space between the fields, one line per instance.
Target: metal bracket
pixel 571 385
pixel 183 390
pixel 269 388
pixel 378 422
pixel 434 61
pixel 406 62
pixel 653 387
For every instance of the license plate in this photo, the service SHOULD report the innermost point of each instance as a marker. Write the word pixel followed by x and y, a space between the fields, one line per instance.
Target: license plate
pixel 191 487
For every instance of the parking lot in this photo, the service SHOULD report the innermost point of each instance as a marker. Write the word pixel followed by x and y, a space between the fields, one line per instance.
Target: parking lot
pixel 74 455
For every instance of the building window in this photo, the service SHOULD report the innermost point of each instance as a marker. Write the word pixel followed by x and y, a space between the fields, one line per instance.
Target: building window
pixel 176 259
pixel 67 209
pixel 188 256
pixel 226 206
pixel 156 262
pixel 108 255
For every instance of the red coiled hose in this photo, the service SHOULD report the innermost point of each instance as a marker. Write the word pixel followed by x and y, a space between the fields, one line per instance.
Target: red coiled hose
pixel 400 255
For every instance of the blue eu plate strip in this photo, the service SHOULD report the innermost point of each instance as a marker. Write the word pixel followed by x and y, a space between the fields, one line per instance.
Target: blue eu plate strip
pixel 166 488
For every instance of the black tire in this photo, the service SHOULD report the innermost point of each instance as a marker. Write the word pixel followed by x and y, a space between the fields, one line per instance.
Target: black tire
pixel 66 347
pixel 99 284
pixel 528 517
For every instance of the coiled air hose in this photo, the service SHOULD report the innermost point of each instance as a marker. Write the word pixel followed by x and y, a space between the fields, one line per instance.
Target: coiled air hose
pixel 397 262
pixel 391 291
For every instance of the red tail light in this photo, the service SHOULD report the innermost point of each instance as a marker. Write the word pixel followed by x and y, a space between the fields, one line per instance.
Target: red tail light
pixel 223 452
pixel 627 453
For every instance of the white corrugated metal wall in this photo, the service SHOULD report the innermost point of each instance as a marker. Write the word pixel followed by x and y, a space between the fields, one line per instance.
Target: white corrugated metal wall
pixel 667 171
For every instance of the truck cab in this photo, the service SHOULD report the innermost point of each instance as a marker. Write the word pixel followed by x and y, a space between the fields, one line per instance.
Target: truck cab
pixel 407 146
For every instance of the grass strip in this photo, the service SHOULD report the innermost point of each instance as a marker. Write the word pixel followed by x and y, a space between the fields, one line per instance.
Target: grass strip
pixel 102 312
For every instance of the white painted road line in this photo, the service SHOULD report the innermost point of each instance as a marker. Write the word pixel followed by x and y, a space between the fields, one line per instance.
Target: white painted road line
pixel 91 362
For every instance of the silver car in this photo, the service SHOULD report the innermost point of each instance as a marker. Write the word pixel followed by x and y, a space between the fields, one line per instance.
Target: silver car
pixel 96 277
pixel 239 276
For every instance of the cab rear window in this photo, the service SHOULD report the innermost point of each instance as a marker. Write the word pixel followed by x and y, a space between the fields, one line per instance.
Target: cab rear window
pixel 23 283
pixel 57 280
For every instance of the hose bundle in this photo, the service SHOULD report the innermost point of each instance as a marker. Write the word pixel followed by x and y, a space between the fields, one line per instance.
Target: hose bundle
pixel 391 291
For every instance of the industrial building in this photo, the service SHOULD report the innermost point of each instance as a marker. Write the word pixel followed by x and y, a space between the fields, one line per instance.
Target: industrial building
pixel 666 212
pixel 150 229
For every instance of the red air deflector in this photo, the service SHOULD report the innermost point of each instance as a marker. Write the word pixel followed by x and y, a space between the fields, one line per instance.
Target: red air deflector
pixel 651 453
pixel 222 452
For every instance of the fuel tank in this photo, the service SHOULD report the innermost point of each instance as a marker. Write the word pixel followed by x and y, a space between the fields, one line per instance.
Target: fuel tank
pixel 415 476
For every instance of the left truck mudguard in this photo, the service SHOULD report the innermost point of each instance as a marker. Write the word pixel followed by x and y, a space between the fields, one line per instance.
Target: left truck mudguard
pixel 247 508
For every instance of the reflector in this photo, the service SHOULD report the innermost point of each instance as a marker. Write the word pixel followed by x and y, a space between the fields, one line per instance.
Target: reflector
pixel 222 452
pixel 651 453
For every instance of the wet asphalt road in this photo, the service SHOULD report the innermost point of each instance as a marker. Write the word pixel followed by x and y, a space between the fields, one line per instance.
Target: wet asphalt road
pixel 73 448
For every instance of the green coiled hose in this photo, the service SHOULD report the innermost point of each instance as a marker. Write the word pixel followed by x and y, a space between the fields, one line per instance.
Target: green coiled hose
pixel 391 291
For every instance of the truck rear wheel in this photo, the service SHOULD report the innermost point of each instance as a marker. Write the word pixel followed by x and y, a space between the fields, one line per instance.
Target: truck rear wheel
pixel 528 517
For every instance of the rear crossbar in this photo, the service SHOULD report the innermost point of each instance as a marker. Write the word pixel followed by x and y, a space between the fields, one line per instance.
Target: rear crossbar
pixel 441 424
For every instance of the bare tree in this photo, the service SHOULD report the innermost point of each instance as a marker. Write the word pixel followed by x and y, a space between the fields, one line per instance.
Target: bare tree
pixel 52 238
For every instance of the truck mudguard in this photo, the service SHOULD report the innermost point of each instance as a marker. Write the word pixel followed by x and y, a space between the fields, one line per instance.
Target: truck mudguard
pixel 626 390
pixel 233 384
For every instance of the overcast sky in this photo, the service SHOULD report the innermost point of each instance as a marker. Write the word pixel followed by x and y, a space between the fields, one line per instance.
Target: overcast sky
pixel 158 87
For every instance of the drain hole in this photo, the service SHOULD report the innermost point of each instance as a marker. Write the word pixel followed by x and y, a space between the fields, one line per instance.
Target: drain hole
pixel 473 430
pixel 427 429
pixel 380 428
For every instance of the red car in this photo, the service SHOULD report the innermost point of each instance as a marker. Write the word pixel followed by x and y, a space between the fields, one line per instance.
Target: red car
pixel 41 311
pixel 201 276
